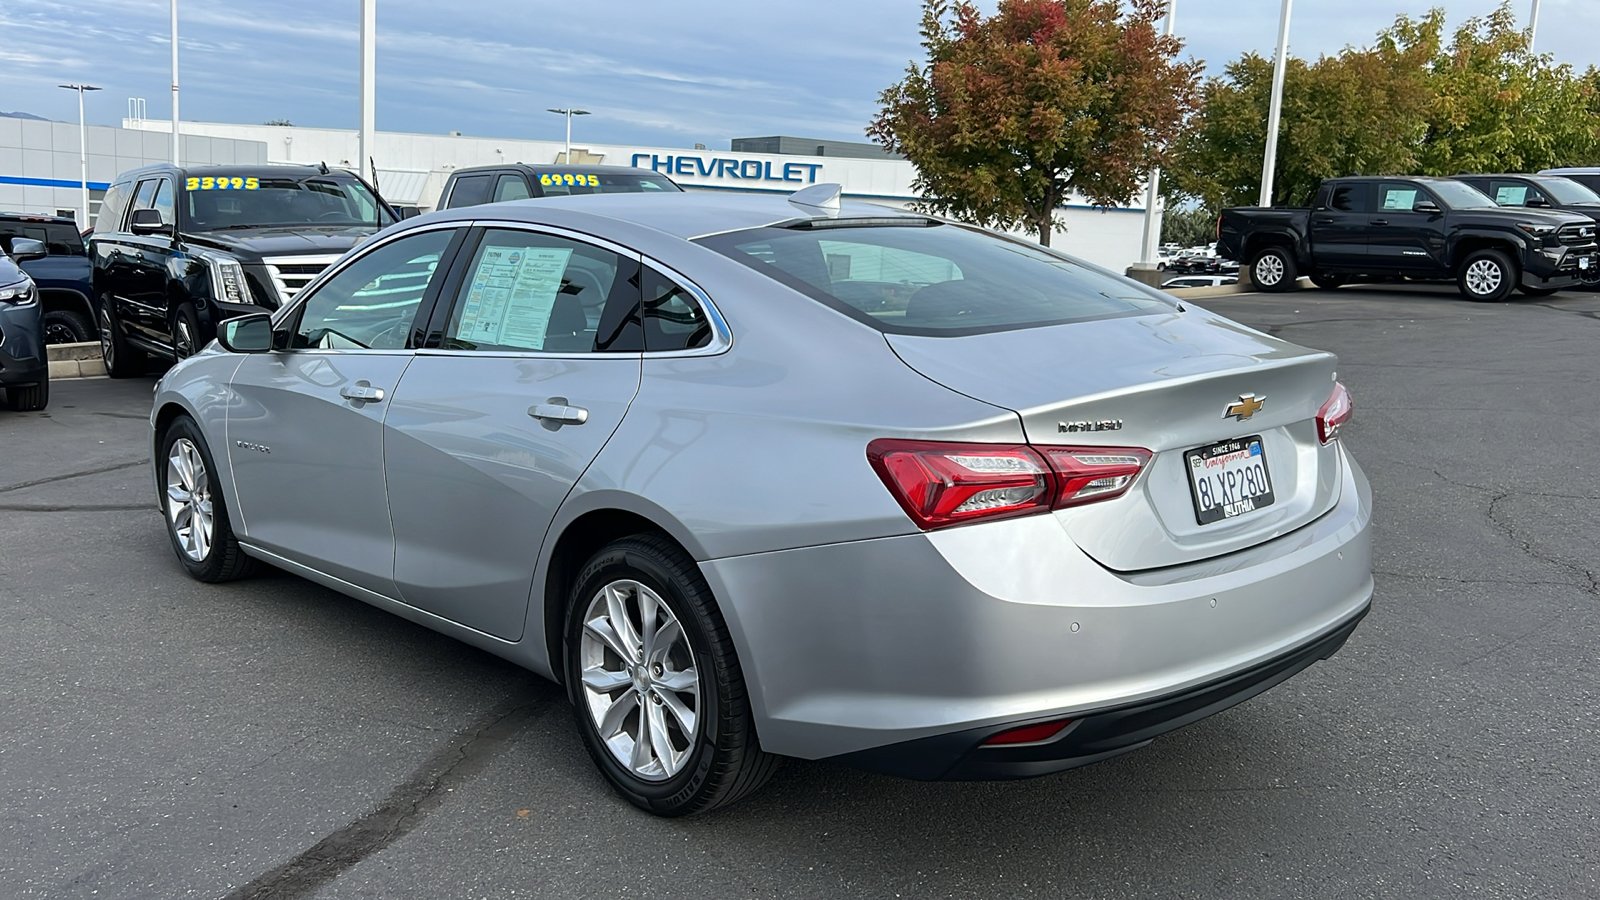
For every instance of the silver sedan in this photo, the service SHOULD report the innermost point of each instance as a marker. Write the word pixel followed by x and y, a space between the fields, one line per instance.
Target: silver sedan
pixel 761 477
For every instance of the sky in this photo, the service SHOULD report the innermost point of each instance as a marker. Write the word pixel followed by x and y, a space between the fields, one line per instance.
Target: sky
pixel 651 73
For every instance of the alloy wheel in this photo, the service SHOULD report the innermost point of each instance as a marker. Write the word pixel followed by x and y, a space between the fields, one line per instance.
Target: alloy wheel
pixel 182 339
pixel 1269 270
pixel 640 684
pixel 189 509
pixel 1484 277
pixel 108 346
pixel 59 333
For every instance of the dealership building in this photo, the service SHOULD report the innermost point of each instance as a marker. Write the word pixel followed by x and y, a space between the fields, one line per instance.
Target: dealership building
pixel 39 168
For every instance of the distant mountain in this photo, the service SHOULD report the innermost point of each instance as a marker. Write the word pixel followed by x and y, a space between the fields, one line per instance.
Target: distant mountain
pixel 21 115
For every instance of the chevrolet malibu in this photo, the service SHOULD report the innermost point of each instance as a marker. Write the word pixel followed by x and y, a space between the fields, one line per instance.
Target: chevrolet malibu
pixel 766 477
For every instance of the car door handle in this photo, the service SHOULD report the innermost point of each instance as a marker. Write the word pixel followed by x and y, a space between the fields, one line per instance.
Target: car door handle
pixel 362 391
pixel 1325 221
pixel 559 413
pixel 1380 221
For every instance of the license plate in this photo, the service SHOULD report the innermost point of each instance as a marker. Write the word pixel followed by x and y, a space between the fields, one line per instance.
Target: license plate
pixel 1229 479
pixel 1583 262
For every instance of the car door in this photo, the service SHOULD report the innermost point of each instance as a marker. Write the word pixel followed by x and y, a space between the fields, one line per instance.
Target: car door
pixel 305 427
pixel 1399 237
pixel 1339 229
pixel 143 305
pixel 538 357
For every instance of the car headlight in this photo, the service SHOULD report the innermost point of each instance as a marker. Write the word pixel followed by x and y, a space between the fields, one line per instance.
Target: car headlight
pixel 227 279
pixel 1537 230
pixel 20 293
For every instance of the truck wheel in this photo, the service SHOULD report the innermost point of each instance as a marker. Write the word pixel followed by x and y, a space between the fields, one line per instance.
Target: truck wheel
pixel 1274 270
pixel 1487 276
pixel 1329 282
pixel 122 361
pixel 63 326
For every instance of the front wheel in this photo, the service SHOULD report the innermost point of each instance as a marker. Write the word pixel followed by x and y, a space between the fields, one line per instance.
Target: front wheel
pixel 1487 276
pixel 122 361
pixel 659 693
pixel 1274 270
pixel 185 331
pixel 196 513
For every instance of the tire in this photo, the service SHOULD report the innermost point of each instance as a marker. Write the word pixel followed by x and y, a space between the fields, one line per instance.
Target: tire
pixel 1487 276
pixel 1274 270
pixel 187 496
pixel 1536 292
pixel 122 361
pixel 63 326
pixel 185 333
pixel 1328 281
pixel 32 398
pixel 714 759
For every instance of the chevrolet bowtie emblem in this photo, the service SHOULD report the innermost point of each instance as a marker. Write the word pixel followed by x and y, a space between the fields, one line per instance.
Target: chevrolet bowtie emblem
pixel 1247 406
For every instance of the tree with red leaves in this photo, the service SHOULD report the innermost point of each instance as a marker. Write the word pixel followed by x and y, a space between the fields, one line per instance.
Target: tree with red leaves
pixel 1014 113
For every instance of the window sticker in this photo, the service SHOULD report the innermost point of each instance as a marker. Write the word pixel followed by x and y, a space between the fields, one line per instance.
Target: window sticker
pixel 1397 198
pixel 1511 194
pixel 512 293
pixel 212 183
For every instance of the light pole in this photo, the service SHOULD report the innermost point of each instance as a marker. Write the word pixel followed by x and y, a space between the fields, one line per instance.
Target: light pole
pixel 1152 219
pixel 369 81
pixel 175 160
pixel 1270 163
pixel 569 112
pixel 1533 25
pixel 83 148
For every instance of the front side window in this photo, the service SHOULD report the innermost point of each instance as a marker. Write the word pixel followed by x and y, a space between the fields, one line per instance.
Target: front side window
pixel 511 187
pixel 934 279
pixel 163 201
pixel 1399 197
pixel 527 291
pixel 143 198
pixel 371 303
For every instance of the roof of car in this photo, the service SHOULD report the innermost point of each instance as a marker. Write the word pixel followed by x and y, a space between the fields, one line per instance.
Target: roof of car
pixel 686 215
pixel 36 217
pixel 1572 170
pixel 279 169
pixel 596 169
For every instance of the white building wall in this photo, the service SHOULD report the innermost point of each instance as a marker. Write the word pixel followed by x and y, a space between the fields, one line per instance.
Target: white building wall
pixel 420 164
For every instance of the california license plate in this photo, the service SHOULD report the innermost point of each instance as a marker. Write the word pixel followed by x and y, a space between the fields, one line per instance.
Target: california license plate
pixel 1229 479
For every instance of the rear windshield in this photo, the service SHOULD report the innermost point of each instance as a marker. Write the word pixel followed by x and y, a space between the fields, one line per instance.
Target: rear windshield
pixel 59 238
pixel 560 184
pixel 936 279
pixel 222 203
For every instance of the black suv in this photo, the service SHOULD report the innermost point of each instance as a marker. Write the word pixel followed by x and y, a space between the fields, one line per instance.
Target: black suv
pixel 519 181
pixel 176 251
pixel 24 367
pixel 62 274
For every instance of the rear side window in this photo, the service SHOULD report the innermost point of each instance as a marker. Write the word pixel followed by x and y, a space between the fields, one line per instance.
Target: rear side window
pixel 673 318
pixel 1510 193
pixel 934 279
pixel 470 190
pixel 112 208
pixel 1349 198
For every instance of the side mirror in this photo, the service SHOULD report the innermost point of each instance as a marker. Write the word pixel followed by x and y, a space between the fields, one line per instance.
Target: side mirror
pixel 25 249
pixel 1425 206
pixel 148 221
pixel 1537 203
pixel 408 212
pixel 246 334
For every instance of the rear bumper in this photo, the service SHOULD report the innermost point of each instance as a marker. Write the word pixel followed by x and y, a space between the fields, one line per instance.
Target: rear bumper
pixel 952 636
pixel 1092 736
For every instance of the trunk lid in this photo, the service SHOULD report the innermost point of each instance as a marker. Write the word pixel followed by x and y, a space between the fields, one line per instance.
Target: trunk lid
pixel 1168 378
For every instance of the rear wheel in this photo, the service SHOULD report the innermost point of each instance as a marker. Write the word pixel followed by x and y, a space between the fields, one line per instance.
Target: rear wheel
pixel 122 361
pixel 1328 281
pixel 32 398
pixel 1487 276
pixel 63 326
pixel 196 513
pixel 1274 270
pixel 659 693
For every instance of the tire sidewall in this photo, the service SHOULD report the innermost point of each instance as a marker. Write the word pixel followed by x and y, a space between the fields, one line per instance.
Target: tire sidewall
pixel 642 565
pixel 1285 278
pixel 208 568
pixel 1508 276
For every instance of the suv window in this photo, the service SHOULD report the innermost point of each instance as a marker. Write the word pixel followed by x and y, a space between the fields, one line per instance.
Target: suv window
pixel 526 291
pixel 933 279
pixel 673 319
pixel 163 201
pixel 470 190
pixel 145 193
pixel 1399 197
pixel 370 304
pixel 511 187
pixel 59 238
pixel 1511 193
pixel 112 209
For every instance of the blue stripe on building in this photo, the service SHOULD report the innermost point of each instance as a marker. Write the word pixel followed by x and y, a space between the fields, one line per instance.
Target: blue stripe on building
pixel 53 182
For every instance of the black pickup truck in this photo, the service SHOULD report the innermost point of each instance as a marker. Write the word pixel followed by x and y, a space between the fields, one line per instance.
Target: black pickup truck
pixel 1430 229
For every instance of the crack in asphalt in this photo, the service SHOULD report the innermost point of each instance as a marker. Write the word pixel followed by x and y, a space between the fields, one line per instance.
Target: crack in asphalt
pixel 86 472
pixel 77 507
pixel 405 807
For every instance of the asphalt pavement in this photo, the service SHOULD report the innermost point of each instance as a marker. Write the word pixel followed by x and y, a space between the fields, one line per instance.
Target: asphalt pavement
pixel 269 738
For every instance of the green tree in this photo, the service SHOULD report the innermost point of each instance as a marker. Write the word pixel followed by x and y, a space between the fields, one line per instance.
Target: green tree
pixel 1012 113
pixel 1188 226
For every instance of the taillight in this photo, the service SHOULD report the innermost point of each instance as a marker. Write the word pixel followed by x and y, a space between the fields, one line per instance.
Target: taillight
pixel 1334 413
pixel 946 484
pixel 942 484
pixel 1087 474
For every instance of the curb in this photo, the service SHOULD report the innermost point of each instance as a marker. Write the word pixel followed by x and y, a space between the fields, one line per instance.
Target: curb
pixel 75 361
